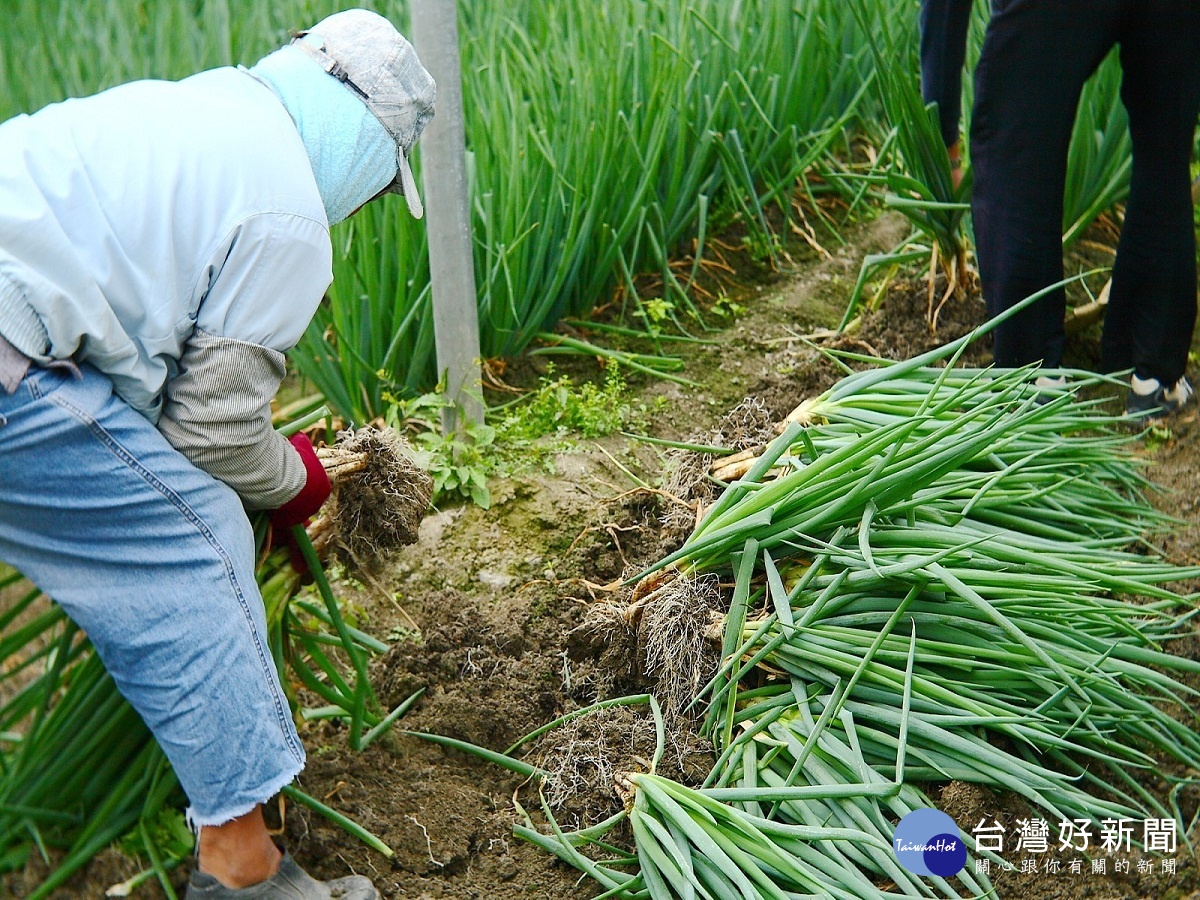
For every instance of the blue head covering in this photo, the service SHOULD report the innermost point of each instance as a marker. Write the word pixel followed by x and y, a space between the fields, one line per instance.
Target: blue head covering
pixel 352 155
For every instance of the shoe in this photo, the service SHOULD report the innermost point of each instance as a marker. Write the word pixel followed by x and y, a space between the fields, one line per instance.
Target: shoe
pixel 1149 400
pixel 1049 387
pixel 290 883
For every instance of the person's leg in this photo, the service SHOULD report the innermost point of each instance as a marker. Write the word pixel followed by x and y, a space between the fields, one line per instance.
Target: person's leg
pixel 1036 57
pixel 154 560
pixel 944 25
pixel 1152 305
pixel 240 852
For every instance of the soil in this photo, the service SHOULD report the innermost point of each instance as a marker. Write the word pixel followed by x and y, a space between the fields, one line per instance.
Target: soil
pixel 514 608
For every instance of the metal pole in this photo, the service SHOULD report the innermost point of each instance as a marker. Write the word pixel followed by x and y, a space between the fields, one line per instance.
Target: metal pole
pixel 444 173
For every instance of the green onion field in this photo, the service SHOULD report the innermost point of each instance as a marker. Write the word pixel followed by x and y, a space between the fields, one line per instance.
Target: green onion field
pixel 755 553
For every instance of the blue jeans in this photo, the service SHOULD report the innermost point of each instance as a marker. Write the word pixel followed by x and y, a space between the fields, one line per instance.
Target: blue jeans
pixel 154 559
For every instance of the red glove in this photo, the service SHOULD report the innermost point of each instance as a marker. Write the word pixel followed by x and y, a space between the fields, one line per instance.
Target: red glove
pixel 304 505
pixel 315 492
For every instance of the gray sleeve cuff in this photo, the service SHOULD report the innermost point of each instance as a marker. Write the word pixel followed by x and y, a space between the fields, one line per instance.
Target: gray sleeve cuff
pixel 217 413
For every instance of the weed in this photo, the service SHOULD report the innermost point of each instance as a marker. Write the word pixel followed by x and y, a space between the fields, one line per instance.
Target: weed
pixel 403 634
pixel 727 308
pixel 460 462
pixel 1156 437
pixel 524 435
pixel 654 311
pixel 763 246
pixel 559 407
pixel 167 830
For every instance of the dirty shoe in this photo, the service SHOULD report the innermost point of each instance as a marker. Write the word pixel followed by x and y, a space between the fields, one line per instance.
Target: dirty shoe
pixel 1048 387
pixel 290 883
pixel 1148 399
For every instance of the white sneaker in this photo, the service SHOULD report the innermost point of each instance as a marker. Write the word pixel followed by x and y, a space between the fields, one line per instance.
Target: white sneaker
pixel 1048 388
pixel 1149 399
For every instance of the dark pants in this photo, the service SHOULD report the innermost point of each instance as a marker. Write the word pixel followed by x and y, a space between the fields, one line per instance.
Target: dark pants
pixel 944 26
pixel 1036 56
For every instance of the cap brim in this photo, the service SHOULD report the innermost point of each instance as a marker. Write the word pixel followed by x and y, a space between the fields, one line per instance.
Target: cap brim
pixel 408 186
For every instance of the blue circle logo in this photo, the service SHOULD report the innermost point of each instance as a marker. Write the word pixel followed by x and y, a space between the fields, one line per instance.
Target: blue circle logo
pixel 928 842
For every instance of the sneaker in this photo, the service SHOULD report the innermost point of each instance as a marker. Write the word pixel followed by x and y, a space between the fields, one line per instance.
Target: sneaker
pixel 290 883
pixel 1049 388
pixel 1148 399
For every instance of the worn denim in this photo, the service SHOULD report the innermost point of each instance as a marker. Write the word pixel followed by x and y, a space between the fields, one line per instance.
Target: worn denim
pixel 154 559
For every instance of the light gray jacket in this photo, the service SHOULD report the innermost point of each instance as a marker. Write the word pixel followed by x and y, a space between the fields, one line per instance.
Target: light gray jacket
pixel 172 235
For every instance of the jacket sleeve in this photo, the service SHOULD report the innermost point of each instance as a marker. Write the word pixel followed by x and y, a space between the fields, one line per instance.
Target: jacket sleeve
pixel 266 280
pixel 944 26
pixel 217 413
pixel 263 287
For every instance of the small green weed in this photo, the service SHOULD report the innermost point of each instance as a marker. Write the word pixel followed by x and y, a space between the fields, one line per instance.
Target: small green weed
pixel 460 463
pixel 167 829
pixel 762 246
pixel 654 312
pixel 723 212
pixel 559 407
pixel 727 308
pixel 402 634
pixel 524 435
pixel 1156 437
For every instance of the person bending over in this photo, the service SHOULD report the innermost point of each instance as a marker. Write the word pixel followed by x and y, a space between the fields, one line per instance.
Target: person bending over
pixel 162 244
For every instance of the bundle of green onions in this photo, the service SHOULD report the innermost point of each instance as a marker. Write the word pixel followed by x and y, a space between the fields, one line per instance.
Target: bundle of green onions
pixel 982 446
pixel 718 842
pixel 791 764
pixel 691 843
pixel 78 768
pixel 936 576
pixel 1043 667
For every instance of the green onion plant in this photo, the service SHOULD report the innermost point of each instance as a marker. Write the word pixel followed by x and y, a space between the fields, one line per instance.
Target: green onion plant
pixel 1100 156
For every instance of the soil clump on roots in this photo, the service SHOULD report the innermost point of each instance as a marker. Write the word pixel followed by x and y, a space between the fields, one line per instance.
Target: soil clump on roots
pixel 380 495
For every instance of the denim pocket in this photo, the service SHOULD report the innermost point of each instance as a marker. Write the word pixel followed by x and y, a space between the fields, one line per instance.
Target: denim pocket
pixel 43 381
pixel 36 384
